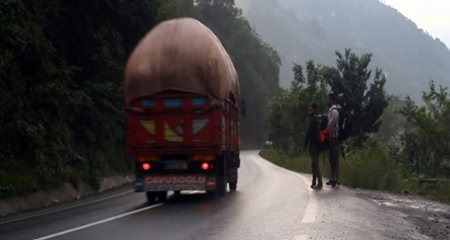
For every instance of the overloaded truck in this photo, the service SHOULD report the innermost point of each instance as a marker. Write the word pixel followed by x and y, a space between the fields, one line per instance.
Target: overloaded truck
pixel 182 96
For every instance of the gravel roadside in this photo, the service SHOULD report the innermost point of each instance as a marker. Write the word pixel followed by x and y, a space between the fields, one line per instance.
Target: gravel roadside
pixel 430 217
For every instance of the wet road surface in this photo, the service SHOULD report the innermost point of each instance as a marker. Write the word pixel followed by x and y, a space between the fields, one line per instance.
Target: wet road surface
pixel 270 203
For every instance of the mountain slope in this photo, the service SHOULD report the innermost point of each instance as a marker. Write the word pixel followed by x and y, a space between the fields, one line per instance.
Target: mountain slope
pixel 306 29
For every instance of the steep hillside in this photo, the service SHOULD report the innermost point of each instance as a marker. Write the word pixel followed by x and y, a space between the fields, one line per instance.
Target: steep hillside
pixel 305 29
pixel 62 114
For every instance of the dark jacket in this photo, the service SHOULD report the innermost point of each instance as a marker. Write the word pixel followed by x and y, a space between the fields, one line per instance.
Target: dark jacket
pixel 312 135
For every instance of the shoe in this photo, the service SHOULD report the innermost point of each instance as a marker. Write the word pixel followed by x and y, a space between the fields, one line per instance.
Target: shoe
pixel 330 182
pixel 336 184
pixel 318 186
pixel 313 183
pixel 313 186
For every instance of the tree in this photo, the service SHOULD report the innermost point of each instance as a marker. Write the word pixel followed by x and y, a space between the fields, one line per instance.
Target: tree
pixel 427 144
pixel 349 82
pixel 256 62
pixel 277 128
pixel 62 113
pixel 34 86
pixel 61 99
pixel 288 115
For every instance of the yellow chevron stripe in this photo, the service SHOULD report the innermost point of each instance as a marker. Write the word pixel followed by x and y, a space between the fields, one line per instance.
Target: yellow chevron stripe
pixel 170 135
pixel 149 125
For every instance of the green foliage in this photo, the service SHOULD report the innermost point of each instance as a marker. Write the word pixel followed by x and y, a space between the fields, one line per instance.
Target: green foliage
pixel 364 102
pixel 61 74
pixel 17 183
pixel 300 163
pixel 288 117
pixel 288 112
pixel 33 83
pixel 278 130
pixel 439 191
pixel 420 164
pixel 369 167
pixel 373 166
pixel 61 97
pixel 427 143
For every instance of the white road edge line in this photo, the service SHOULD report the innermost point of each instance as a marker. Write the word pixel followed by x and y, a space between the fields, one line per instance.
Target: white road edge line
pixel 312 207
pixel 310 215
pixel 97 223
pixel 65 208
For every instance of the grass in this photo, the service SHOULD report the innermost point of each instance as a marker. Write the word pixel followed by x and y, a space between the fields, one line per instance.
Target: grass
pixel 435 190
pixel 299 164
pixel 370 167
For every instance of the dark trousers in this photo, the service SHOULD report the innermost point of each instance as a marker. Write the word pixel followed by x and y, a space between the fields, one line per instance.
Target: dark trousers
pixel 334 153
pixel 317 177
pixel 334 159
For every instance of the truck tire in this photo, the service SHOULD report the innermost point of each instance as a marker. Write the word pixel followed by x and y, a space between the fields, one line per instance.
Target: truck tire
pixel 221 187
pixel 155 197
pixel 151 197
pixel 162 196
pixel 221 176
pixel 233 186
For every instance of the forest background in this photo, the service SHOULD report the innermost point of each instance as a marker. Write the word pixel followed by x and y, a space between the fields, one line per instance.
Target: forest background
pixel 62 115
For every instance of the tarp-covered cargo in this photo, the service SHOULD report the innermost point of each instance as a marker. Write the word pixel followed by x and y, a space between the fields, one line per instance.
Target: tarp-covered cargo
pixel 180 54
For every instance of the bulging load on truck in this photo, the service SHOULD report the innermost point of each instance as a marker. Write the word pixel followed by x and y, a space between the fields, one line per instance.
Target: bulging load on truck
pixel 184 55
pixel 181 95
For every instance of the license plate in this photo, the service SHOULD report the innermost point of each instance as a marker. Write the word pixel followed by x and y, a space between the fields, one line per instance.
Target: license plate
pixel 176 182
pixel 176 165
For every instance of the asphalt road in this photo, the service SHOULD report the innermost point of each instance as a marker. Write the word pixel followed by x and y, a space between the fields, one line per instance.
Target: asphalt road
pixel 270 203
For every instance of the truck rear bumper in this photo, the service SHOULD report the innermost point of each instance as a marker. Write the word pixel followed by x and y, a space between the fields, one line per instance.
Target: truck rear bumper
pixel 175 182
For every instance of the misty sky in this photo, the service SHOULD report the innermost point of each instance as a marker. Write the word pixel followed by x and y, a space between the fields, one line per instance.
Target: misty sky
pixel 431 16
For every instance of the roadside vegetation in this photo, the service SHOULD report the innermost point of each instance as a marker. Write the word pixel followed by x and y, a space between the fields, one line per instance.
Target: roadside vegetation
pixel 62 116
pixel 369 167
pixel 395 145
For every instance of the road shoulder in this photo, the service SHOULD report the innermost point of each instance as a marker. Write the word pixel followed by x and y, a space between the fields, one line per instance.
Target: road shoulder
pixel 65 194
pixel 431 218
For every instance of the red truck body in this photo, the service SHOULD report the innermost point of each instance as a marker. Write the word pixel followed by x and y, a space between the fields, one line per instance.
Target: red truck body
pixel 182 111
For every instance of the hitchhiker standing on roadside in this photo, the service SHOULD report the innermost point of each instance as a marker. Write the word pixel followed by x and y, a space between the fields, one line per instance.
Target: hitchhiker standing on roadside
pixel 333 131
pixel 312 137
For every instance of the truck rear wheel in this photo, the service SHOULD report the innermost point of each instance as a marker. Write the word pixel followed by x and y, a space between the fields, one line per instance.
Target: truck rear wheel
pixel 154 197
pixel 221 187
pixel 221 180
pixel 233 186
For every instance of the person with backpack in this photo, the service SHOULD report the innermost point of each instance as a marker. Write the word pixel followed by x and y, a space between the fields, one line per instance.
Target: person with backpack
pixel 313 138
pixel 333 133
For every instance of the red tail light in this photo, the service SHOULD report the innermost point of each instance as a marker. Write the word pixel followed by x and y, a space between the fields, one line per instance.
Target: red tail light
pixel 146 166
pixel 205 166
